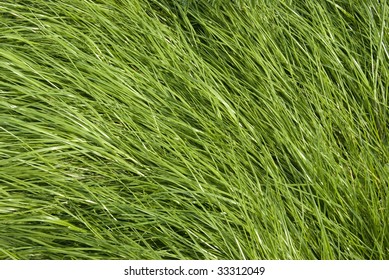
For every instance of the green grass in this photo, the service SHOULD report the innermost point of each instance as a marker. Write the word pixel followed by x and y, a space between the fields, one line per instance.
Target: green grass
pixel 134 129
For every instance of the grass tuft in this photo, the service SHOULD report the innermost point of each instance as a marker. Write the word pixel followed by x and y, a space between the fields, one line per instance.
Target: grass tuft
pixel 134 129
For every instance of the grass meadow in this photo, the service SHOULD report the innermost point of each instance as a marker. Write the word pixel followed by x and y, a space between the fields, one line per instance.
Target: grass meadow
pixel 203 129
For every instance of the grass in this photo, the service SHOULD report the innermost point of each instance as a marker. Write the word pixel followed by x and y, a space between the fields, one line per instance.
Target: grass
pixel 134 129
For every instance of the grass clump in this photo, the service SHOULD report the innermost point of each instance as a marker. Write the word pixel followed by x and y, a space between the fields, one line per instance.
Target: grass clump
pixel 134 129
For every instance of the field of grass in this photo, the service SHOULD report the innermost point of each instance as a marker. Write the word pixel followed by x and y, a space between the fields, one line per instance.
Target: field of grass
pixel 203 129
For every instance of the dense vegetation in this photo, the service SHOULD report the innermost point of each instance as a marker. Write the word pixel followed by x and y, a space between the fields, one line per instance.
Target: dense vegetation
pixel 161 129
